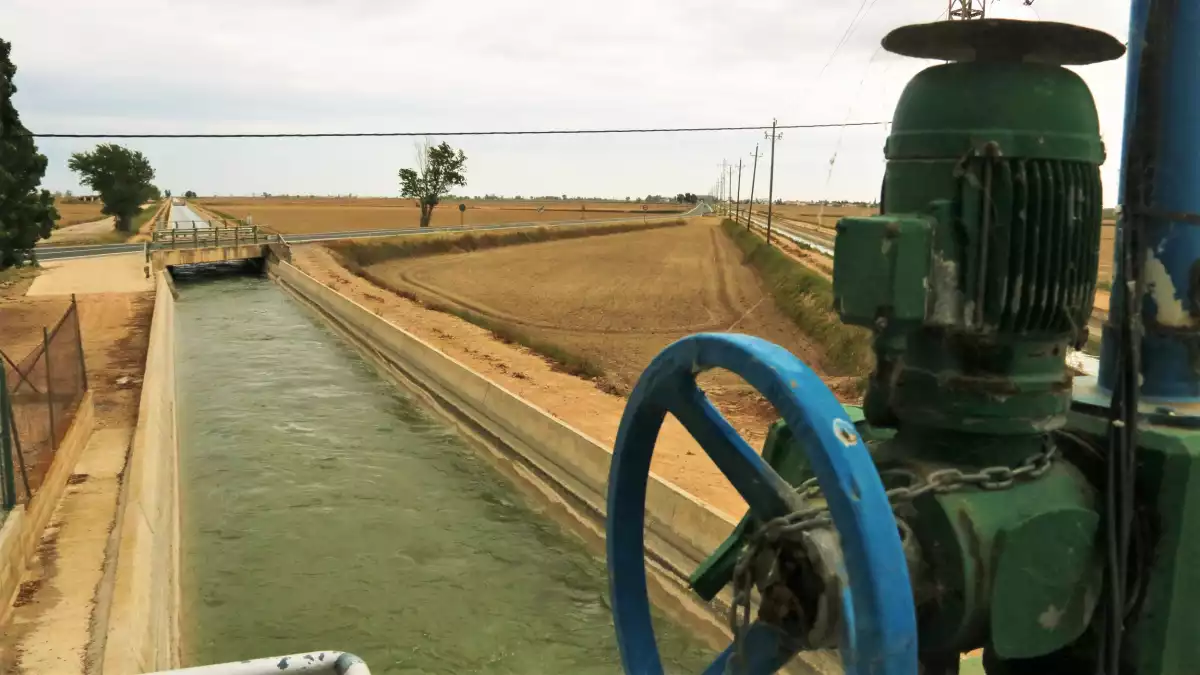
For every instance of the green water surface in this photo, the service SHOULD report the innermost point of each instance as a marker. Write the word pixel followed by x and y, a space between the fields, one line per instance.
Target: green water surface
pixel 322 509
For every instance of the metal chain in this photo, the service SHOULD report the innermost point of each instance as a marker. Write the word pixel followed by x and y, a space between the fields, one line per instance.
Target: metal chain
pixel 767 538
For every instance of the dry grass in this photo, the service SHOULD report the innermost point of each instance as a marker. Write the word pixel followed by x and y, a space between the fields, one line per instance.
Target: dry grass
pixel 74 213
pixel 304 216
pixel 806 296
pixel 606 304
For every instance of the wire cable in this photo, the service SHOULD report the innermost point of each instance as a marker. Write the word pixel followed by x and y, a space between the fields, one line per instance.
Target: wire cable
pixel 841 41
pixel 524 132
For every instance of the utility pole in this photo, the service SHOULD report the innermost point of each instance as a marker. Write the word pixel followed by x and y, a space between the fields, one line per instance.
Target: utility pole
pixel 753 176
pixel 737 216
pixel 771 189
pixel 729 191
pixel 721 186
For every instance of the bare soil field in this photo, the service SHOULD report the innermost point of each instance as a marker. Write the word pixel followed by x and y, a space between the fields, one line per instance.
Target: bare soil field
pixel 74 213
pixel 617 299
pixel 303 216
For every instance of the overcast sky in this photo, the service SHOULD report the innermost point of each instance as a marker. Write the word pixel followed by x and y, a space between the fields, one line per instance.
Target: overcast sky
pixel 442 65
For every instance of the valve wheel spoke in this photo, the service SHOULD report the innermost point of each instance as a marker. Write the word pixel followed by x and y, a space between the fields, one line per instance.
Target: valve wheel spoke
pixel 880 620
pixel 768 495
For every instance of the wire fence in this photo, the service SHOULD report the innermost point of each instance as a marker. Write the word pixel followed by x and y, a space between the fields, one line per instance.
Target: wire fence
pixel 39 396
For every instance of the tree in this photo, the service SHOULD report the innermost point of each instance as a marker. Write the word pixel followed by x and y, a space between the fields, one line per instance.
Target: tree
pixel 439 168
pixel 190 194
pixel 167 194
pixel 27 213
pixel 120 176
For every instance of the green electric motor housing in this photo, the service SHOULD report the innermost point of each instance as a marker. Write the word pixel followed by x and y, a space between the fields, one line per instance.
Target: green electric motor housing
pixel 980 271
pixel 976 278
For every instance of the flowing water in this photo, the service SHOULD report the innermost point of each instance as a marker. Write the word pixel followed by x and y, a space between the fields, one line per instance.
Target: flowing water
pixel 322 509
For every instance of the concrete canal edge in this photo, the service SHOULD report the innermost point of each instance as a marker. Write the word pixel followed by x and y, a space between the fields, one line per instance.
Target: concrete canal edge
pixel 141 630
pixel 569 468
pixel 24 525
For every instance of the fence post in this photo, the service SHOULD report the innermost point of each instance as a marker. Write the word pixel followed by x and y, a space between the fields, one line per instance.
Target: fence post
pixel 8 491
pixel 49 388
pixel 195 236
pixel 79 342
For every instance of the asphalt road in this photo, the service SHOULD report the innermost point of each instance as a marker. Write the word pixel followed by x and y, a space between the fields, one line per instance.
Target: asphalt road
pixel 182 217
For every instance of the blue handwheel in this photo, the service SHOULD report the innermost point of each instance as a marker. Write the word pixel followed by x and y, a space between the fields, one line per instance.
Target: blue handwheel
pixel 880 619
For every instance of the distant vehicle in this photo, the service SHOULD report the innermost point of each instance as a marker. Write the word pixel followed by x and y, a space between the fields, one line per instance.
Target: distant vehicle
pixel 178 202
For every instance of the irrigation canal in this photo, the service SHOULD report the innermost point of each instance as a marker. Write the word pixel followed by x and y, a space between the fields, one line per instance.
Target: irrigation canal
pixel 322 509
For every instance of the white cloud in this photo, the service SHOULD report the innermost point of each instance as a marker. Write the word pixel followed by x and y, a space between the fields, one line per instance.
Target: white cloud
pixel 319 65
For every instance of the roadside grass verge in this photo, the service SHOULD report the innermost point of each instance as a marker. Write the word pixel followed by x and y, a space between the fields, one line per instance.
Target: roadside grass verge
pixel 143 216
pixel 807 299
pixel 358 256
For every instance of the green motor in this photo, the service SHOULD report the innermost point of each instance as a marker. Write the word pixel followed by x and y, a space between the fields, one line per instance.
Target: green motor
pixel 981 271
pixel 977 278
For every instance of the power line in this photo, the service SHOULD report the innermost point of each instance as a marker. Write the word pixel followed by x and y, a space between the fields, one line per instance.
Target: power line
pixel 850 28
pixel 529 132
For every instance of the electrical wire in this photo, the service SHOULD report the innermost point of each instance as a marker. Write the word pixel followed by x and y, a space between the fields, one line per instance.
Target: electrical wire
pixel 522 132
pixel 845 35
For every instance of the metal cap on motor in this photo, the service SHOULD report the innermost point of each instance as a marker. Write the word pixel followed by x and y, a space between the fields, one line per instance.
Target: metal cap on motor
pixel 1004 40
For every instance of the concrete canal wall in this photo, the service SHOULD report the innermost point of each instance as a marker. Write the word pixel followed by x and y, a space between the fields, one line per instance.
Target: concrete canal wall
pixel 569 466
pixel 141 630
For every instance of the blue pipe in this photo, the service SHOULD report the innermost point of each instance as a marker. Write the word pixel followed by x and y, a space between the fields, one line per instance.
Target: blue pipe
pixel 1170 350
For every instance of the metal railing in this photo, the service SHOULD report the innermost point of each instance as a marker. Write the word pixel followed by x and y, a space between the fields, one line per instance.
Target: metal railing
pixel 38 398
pixel 210 237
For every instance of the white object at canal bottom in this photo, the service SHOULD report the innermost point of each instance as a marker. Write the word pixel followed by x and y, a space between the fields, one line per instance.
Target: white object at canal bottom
pixel 313 663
